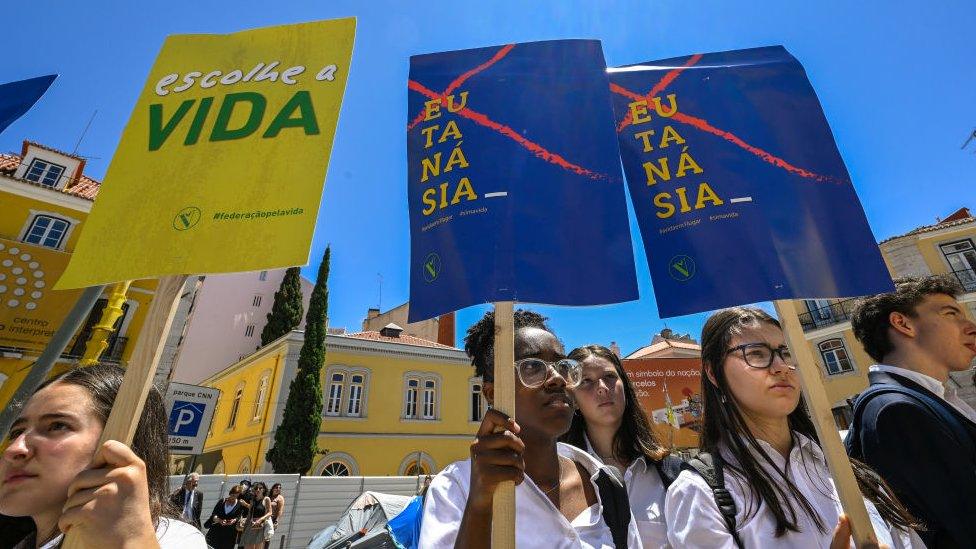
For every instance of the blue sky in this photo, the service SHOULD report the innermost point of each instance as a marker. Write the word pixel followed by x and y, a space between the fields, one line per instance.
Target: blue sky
pixel 895 80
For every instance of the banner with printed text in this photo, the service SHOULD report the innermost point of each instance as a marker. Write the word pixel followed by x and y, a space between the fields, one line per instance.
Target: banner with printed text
pixel 16 98
pixel 740 192
pixel 514 182
pixel 221 166
pixel 669 391
pixel 30 309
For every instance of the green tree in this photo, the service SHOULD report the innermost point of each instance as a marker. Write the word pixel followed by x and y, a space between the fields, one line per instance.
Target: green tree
pixel 295 440
pixel 286 313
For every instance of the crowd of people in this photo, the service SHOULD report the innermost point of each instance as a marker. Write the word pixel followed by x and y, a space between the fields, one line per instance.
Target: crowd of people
pixel 590 473
pixel 588 469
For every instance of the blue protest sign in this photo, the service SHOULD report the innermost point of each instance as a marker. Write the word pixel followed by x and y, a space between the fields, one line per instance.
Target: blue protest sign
pixel 740 193
pixel 514 180
pixel 16 98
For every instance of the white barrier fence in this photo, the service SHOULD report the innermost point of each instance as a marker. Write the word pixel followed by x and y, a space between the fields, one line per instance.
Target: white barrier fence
pixel 311 503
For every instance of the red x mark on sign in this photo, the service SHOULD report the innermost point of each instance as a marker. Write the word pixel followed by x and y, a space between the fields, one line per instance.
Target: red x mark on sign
pixel 703 125
pixel 481 119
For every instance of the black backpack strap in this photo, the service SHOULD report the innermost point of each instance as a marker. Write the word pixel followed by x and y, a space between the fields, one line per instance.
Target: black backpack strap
pixel 668 469
pixel 616 504
pixel 711 467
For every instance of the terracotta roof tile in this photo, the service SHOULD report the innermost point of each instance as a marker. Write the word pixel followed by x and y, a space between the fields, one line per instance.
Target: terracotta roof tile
pixel 84 187
pixel 404 339
pixel 933 227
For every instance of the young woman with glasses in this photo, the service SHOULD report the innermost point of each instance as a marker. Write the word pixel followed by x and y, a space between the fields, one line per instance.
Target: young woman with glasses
pixel 613 428
pixel 756 429
pixel 556 494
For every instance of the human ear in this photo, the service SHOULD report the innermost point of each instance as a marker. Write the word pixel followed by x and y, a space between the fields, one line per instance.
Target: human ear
pixel 901 323
pixel 710 375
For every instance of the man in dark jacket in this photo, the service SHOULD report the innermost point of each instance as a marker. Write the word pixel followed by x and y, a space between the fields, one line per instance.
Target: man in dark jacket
pixel 189 500
pixel 909 425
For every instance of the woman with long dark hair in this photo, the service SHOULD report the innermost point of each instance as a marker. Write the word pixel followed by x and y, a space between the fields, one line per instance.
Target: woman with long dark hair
pixel 756 428
pixel 259 526
pixel 557 485
pixel 613 428
pixel 110 495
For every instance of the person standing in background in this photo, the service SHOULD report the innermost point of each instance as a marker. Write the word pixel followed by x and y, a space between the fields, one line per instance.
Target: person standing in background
pixel 277 508
pixel 189 500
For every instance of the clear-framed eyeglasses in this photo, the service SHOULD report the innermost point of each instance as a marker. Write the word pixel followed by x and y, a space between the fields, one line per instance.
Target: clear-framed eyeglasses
pixel 760 355
pixel 534 372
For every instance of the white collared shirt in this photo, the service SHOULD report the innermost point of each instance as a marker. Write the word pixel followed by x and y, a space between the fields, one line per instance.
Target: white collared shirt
pixel 170 533
pixel 645 490
pixel 694 519
pixel 948 394
pixel 538 523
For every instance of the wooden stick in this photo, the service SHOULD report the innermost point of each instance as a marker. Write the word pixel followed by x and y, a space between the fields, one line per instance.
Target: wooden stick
pixel 503 504
pixel 820 412
pixel 122 422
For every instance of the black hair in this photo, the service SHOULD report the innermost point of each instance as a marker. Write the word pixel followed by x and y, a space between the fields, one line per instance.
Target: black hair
pixel 634 438
pixel 723 425
pixel 870 320
pixel 479 343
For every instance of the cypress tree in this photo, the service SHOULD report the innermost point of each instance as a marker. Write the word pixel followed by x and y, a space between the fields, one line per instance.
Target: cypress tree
pixel 286 313
pixel 295 440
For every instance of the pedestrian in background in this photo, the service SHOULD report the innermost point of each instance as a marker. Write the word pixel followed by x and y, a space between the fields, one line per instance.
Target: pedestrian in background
pixel 277 508
pixel 222 525
pixel 189 500
pixel 259 527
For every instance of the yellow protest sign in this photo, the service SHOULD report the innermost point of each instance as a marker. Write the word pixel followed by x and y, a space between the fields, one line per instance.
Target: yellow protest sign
pixel 222 163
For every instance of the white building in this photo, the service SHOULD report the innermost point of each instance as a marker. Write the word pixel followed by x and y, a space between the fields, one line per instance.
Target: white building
pixel 219 322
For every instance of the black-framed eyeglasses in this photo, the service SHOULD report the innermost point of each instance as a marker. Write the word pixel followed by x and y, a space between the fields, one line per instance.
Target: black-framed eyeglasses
pixel 534 372
pixel 760 355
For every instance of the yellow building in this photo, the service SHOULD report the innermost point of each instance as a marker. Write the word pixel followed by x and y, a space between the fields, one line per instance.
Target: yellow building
pixel 45 199
pixel 394 404
pixel 946 247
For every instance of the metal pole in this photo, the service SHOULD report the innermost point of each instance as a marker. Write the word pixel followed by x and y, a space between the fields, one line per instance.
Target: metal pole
pixel 50 355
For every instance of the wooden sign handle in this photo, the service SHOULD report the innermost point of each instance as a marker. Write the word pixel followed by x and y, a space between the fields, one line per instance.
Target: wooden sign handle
pixel 503 504
pixel 819 409
pixel 122 422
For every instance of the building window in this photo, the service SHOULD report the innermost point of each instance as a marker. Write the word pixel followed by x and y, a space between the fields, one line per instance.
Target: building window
pixel 47 231
pixel 961 256
pixel 257 301
pixel 355 396
pixel 335 394
pixel 411 398
pixel 235 407
pixel 249 331
pixel 263 275
pixel 477 402
pixel 429 399
pixel 261 396
pixel 45 173
pixel 420 398
pixel 335 469
pixel 835 357
pixel 245 467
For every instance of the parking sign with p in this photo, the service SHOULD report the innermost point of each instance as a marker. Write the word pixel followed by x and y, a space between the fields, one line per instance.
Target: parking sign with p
pixel 190 409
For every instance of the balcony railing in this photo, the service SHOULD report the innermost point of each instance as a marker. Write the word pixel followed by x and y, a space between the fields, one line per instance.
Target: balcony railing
pixel 966 277
pixel 835 313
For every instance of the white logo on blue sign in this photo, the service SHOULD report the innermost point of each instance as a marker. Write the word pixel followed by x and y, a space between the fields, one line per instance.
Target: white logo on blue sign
pixel 185 418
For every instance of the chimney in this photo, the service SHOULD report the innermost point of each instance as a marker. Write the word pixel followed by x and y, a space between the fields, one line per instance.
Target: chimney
pixel 615 348
pixel 391 330
pixel 446 329
pixel 371 313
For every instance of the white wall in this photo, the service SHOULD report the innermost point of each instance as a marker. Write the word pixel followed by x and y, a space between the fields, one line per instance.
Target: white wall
pixel 311 503
pixel 223 308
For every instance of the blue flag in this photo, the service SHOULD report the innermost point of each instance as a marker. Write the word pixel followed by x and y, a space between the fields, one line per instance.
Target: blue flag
pixel 740 193
pixel 514 180
pixel 16 98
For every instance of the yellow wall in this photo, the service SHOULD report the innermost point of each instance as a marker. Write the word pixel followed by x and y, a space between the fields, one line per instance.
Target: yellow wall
pixel 17 213
pixel 380 443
